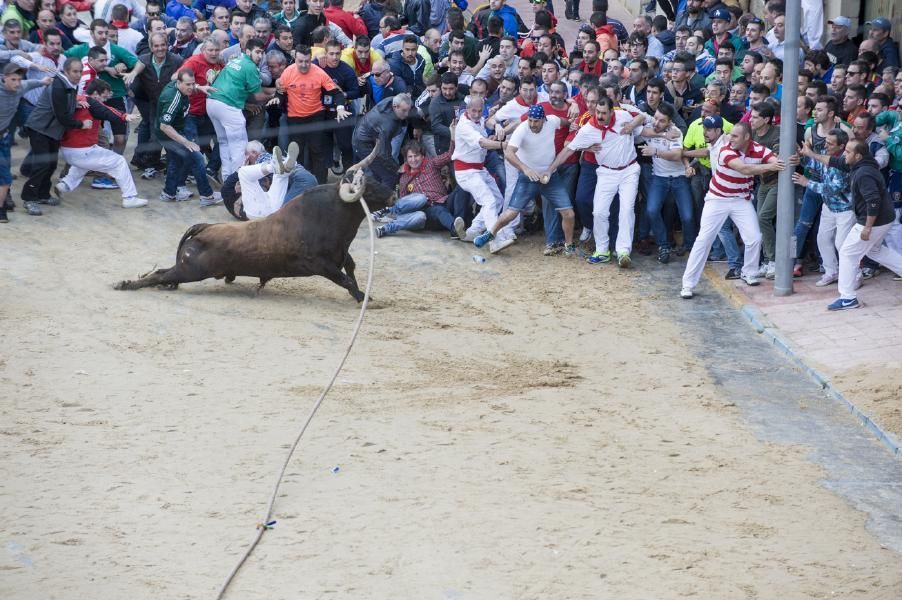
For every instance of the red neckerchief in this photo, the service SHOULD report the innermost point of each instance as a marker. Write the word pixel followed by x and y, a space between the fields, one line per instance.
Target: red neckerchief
pixel 594 69
pixel 519 100
pixel 594 122
pixel 362 67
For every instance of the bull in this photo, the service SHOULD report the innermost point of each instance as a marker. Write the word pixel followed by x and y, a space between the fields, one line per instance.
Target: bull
pixel 310 235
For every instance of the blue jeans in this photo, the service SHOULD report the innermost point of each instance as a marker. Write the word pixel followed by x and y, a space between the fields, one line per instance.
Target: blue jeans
pixel 811 204
pixel 668 190
pixel 409 214
pixel 200 130
pixel 726 244
pixel 299 182
pixel 182 163
pixel 585 192
pixel 554 199
pixel 6 176
pixel 494 164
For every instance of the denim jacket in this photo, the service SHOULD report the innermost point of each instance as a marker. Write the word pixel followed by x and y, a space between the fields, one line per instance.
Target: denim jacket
pixel 833 188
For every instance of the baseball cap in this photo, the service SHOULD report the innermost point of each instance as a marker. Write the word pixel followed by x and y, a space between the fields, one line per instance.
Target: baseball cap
pixel 881 23
pixel 720 13
pixel 536 112
pixel 840 22
pixel 713 122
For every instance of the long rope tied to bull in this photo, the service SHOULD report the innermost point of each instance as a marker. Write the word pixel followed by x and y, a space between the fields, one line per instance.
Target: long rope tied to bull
pixel 266 523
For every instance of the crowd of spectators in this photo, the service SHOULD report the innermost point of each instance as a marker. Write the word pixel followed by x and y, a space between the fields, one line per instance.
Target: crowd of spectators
pixel 659 136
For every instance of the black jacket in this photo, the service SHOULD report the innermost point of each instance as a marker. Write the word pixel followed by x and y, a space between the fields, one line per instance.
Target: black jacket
pixel 413 78
pixel 442 113
pixel 148 85
pixel 869 194
pixel 302 29
pixel 52 115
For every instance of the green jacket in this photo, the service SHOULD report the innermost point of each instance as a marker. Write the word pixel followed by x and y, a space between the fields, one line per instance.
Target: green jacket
pixel 118 54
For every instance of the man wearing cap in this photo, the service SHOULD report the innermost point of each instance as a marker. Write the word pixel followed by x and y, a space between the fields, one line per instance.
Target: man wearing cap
pixel 735 167
pixel 720 25
pixel 889 50
pixel 531 149
pixel 840 49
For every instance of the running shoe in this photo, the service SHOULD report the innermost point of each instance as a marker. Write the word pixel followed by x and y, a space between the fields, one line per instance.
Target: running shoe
pixel 496 246
pixel 623 260
pixel 844 304
pixel 104 183
pixel 686 293
pixel 599 258
pixel 483 239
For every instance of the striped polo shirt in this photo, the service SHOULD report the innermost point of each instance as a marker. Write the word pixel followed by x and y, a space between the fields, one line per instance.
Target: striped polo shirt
pixel 727 184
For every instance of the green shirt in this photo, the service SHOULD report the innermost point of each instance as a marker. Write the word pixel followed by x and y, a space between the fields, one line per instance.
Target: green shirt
pixel 238 79
pixel 695 138
pixel 117 55
pixel 172 108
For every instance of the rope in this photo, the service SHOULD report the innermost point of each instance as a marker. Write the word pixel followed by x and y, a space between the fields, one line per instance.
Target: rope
pixel 267 523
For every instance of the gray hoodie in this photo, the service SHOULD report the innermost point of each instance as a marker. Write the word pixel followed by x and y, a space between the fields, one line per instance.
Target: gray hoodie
pixel 9 102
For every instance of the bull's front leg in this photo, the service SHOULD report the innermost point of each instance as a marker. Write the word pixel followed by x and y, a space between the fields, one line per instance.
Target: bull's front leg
pixel 335 275
pixel 349 267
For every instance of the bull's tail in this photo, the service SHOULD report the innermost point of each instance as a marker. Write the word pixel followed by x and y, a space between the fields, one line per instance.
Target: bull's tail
pixel 192 232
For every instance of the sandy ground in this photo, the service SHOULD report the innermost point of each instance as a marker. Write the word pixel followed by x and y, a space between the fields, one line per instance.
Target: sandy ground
pixel 523 428
pixel 877 391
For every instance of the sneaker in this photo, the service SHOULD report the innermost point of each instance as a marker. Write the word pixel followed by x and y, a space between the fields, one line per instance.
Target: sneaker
pixel 292 160
pixel 751 280
pixel 771 271
pixel 570 250
pixel 380 232
pixel 717 258
pixel 60 189
pixel 483 239
pixel 149 173
pixel 599 258
pixel 54 201
pixel 843 304
pixel 33 208
pixel 897 278
pixel 3 217
pixel 686 293
pixel 826 280
pixel 460 228
pixel 797 270
pixel 133 202
pixel 214 175
pixel 182 194
pixel 278 166
pixel 211 200
pixel 553 249
pixel 663 255
pixel 732 274
pixel 383 215
pixel 623 260
pixel 585 235
pixel 496 246
pixel 190 180
pixel 869 272
pixel 104 183
pixel 682 251
pixel 645 247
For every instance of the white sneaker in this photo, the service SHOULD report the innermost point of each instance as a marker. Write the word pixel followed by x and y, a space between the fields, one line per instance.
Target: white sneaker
pixel 585 235
pixel 471 234
pixel 762 270
pixel 211 200
pixel 133 202
pixel 496 246
pixel 61 188
pixel 686 293
pixel 460 228
pixel 750 280
pixel 278 168
pixel 182 194
pixel 771 270
pixel 826 280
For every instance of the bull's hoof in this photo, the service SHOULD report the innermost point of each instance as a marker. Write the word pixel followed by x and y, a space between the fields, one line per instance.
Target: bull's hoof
pixel 122 285
pixel 229 278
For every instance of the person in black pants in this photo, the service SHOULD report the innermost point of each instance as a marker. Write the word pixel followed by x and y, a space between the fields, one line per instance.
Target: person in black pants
pixel 52 116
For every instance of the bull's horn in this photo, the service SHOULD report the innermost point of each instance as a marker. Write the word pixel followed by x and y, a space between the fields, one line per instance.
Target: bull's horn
pixel 369 159
pixel 351 189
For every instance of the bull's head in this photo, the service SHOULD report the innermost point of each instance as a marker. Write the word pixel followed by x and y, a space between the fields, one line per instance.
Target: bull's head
pixel 353 182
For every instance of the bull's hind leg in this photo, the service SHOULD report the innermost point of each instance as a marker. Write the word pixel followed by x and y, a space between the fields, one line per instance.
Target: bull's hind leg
pixel 349 268
pixel 170 278
pixel 146 280
pixel 263 281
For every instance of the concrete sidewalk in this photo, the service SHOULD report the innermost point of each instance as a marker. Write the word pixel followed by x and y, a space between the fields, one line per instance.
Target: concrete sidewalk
pixel 856 352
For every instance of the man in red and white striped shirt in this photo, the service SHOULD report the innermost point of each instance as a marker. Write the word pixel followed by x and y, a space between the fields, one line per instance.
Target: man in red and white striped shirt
pixel 733 173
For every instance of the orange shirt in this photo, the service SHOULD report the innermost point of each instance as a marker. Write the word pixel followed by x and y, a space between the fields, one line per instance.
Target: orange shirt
pixel 305 90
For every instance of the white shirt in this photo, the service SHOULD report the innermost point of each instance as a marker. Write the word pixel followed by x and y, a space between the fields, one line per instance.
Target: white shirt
pixel 514 109
pixel 617 150
pixel 663 167
pixel 466 141
pixel 129 38
pixel 536 150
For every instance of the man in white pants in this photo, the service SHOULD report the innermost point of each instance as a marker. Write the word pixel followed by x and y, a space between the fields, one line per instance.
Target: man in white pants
pixel 875 216
pixel 256 201
pixel 79 147
pixel 470 145
pixel 238 80
pixel 611 136
pixel 837 216
pixel 733 170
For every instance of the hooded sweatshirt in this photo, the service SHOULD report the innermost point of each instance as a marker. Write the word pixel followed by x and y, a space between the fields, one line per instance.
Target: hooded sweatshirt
pixel 869 194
